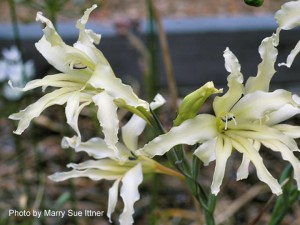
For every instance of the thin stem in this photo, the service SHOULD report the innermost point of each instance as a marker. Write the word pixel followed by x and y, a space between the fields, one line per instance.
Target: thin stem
pixel 151 77
pixel 21 162
pixel 13 17
pixel 166 57
pixel 154 197
pixel 40 177
pixel 285 201
pixel 178 159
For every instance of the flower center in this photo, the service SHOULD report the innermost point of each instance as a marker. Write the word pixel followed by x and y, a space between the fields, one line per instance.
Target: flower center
pixel 224 120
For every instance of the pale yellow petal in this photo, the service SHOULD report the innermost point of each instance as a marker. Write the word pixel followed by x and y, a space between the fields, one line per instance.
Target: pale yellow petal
pixel 113 193
pixel 130 193
pixel 257 105
pixel 223 151
pixel 245 147
pixel 266 70
pixel 135 126
pixel 287 154
pixel 288 16
pixel 224 103
pixel 108 118
pixel 199 129
pixel 75 103
pixel 104 78
pixel 206 151
pixel 57 97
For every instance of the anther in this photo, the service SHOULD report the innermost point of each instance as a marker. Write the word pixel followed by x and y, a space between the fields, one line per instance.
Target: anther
pixel 227 119
pixel 78 66
pixel 132 157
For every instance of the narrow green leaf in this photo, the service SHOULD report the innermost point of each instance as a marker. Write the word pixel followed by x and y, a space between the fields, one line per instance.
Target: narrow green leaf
pixel 289 196
pixel 63 198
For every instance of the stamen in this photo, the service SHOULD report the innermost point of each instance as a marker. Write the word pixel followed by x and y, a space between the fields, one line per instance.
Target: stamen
pixel 226 122
pixel 233 118
pixel 227 118
pixel 77 66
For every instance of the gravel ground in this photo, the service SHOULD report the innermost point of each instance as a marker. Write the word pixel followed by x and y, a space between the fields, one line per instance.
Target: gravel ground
pixel 112 9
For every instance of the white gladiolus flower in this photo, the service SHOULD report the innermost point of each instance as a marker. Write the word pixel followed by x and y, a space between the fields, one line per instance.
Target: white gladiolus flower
pixel 107 165
pixel 246 117
pixel 86 77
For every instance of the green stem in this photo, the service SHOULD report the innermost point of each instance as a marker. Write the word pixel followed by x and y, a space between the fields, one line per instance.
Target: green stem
pixel 166 57
pixel 21 161
pixel 151 78
pixel 13 17
pixel 154 197
pixel 178 159
pixel 284 202
pixel 41 182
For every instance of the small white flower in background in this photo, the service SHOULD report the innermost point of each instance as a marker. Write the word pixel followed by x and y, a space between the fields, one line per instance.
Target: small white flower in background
pixel 14 70
pixel 124 167
pixel 246 117
pixel 86 77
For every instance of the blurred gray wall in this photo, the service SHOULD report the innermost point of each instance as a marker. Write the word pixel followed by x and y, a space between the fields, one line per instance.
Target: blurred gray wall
pixel 196 46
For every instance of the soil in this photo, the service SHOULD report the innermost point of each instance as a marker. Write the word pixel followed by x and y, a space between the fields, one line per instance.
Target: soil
pixel 110 10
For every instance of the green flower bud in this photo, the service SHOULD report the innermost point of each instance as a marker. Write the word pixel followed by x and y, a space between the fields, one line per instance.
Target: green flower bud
pixel 255 3
pixel 193 102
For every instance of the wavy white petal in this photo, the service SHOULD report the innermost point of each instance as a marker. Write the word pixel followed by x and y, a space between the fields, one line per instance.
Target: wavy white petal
pixel 289 130
pixel 223 151
pixel 244 146
pixel 287 154
pixel 291 57
pixel 57 97
pixel 76 102
pixel 199 129
pixel 243 170
pixel 206 151
pixel 130 193
pixel 266 70
pixel 95 147
pixel 57 80
pixel 112 198
pixel 288 16
pixel 234 82
pixel 104 78
pixel 93 174
pixel 57 53
pixel 108 118
pixel 135 126
pixel 257 105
